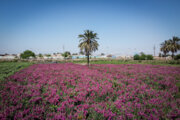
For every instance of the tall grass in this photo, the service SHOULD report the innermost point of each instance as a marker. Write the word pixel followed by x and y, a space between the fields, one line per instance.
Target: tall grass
pixel 153 62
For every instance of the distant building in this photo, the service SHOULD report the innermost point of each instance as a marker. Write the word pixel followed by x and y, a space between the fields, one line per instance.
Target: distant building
pixel 125 57
pixel 99 56
pixel 78 56
pixel 93 56
pixel 8 56
pixel 57 56
pixel 111 56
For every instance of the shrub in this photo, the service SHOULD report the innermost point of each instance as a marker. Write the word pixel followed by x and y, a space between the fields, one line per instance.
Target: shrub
pixel 66 54
pixel 136 57
pixel 143 56
pixel 48 55
pixel 177 57
pixel 149 57
pixel 40 55
pixel 26 54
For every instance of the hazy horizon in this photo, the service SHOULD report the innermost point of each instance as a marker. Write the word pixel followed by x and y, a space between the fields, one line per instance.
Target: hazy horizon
pixel 125 27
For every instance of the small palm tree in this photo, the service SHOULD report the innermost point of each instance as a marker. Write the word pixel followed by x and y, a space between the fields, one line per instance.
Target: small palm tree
pixel 174 45
pixel 165 47
pixel 88 43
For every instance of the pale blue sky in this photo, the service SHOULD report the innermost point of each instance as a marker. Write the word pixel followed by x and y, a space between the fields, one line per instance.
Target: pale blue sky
pixel 125 27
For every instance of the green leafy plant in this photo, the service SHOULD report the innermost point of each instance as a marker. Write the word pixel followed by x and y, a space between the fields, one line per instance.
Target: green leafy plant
pixel 136 57
pixel 143 56
pixel 40 55
pixel 66 54
pixel 177 57
pixel 149 57
pixel 27 54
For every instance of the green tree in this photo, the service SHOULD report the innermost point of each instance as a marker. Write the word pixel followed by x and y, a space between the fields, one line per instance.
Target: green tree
pixel 40 55
pixel 48 55
pixel 177 57
pixel 26 54
pixel 88 43
pixel 142 56
pixel 66 54
pixel 136 57
pixel 165 47
pixel 149 57
pixel 174 45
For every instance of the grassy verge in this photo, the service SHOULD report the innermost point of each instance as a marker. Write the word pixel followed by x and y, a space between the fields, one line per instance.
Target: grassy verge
pixel 153 62
pixel 9 68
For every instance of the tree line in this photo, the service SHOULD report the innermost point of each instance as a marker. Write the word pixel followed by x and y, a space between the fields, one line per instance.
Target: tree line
pixel 171 45
pixel 88 44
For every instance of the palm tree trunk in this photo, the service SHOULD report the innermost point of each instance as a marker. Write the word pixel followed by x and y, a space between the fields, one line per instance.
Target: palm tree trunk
pixel 88 58
pixel 173 55
pixel 88 52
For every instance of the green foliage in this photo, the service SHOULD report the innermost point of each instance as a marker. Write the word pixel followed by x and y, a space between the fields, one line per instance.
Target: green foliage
pixel 40 55
pixel 93 115
pixel 153 62
pixel 26 54
pixel 177 57
pixel 136 57
pixel 171 45
pixel 53 108
pixel 9 68
pixel 165 47
pixel 178 94
pixel 66 54
pixel 88 43
pixel 143 56
pixel 48 55
pixel 149 57
pixel 75 54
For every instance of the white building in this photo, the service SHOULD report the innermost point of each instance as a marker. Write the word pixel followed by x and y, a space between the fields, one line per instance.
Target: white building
pixel 7 56
pixel 57 56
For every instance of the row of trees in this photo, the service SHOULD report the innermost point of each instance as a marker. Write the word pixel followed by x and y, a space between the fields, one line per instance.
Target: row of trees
pixel 88 44
pixel 143 56
pixel 171 45
pixel 28 54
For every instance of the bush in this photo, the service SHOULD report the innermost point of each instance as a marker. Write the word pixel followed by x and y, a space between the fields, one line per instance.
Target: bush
pixel 66 54
pixel 136 57
pixel 149 57
pixel 40 55
pixel 143 56
pixel 26 54
pixel 177 57
pixel 48 55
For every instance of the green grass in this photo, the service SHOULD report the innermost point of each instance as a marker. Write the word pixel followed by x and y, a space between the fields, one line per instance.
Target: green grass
pixel 153 62
pixel 178 85
pixel 9 68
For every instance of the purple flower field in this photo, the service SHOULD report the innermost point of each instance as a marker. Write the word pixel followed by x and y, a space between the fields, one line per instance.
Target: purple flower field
pixel 72 91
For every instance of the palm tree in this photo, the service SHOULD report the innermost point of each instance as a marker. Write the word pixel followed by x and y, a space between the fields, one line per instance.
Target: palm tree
pixel 165 47
pixel 174 45
pixel 88 43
